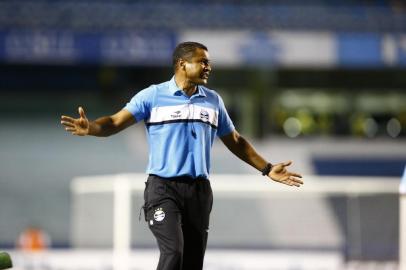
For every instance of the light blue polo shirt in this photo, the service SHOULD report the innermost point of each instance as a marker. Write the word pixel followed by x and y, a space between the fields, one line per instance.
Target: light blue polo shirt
pixel 180 129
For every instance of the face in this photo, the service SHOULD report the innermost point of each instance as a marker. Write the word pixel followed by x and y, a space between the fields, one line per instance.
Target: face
pixel 197 69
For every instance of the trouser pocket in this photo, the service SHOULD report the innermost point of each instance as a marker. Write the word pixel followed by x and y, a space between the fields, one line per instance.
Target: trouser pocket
pixel 155 192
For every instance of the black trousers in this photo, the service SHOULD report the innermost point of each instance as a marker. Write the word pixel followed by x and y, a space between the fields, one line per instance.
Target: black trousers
pixel 177 211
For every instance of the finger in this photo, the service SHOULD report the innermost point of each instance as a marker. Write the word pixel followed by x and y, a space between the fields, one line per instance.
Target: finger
pixel 287 163
pixel 67 118
pixel 292 183
pixel 296 180
pixel 286 182
pixel 289 183
pixel 67 124
pixel 296 174
pixel 70 129
pixel 82 112
pixel 295 184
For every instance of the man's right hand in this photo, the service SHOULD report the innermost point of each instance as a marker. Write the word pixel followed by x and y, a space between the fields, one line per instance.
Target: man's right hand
pixel 78 126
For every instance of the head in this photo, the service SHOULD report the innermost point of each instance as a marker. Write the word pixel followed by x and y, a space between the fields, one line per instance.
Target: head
pixel 191 61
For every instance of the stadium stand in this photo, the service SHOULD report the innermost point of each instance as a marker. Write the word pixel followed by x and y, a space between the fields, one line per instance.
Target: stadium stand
pixel 381 16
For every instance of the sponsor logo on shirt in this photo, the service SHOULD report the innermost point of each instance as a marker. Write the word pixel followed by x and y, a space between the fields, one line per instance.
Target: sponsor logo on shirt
pixel 176 115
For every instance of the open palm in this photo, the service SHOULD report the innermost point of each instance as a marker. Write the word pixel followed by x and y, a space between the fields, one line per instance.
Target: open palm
pixel 77 126
pixel 280 174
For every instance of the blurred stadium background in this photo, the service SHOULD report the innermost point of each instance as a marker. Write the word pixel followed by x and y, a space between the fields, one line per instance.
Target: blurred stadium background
pixel 320 82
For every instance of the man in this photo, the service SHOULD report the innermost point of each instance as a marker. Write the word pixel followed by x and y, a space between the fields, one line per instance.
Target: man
pixel 182 118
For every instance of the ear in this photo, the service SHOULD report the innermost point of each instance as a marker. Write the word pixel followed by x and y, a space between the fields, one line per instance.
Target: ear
pixel 182 64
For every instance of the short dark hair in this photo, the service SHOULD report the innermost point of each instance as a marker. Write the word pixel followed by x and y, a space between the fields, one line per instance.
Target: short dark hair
pixel 185 50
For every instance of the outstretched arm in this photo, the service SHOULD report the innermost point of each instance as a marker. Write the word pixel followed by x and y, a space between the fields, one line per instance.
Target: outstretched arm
pixel 246 152
pixel 101 127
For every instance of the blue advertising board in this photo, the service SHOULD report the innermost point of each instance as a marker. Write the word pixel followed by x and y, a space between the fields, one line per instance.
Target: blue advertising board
pixel 237 48
pixel 359 49
pixel 66 47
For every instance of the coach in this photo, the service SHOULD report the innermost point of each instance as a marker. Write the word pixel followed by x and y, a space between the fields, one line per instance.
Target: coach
pixel 182 119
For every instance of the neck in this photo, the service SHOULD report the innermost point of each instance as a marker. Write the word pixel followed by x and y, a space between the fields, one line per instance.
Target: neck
pixel 188 87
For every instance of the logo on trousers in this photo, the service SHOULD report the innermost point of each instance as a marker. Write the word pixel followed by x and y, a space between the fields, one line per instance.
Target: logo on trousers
pixel 159 214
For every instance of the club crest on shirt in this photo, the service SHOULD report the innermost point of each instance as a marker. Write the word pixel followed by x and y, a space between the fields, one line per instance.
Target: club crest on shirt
pixel 204 115
pixel 159 214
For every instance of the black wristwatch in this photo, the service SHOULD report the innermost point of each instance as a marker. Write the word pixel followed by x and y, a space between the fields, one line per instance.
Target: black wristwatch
pixel 267 169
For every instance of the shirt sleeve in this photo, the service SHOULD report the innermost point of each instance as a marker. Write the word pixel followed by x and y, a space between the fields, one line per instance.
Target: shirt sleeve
pixel 225 125
pixel 140 105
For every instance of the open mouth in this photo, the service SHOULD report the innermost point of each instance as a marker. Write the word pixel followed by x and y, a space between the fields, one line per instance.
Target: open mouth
pixel 205 75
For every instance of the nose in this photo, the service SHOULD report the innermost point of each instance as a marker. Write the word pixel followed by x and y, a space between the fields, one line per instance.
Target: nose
pixel 208 67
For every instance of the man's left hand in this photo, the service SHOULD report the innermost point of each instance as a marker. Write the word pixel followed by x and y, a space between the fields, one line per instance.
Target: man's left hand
pixel 280 174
